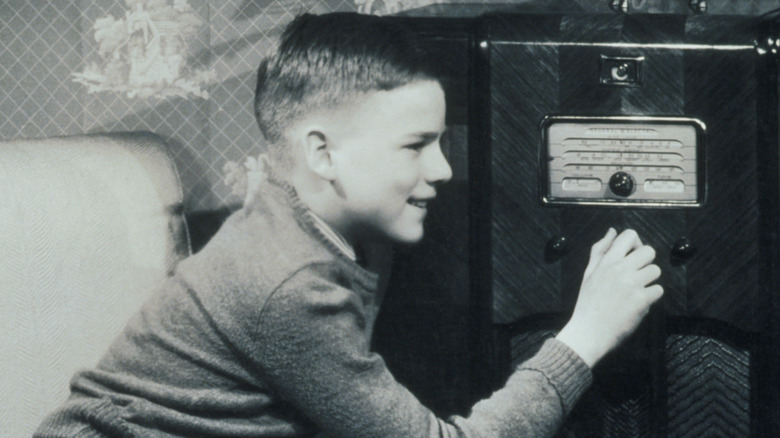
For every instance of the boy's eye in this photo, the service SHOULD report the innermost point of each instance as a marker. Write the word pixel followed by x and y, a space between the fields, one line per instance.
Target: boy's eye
pixel 416 146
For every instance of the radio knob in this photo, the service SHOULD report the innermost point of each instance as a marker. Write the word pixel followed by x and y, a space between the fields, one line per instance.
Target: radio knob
pixel 682 250
pixel 621 184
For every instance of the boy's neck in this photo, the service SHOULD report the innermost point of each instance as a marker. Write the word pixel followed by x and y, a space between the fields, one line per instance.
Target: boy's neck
pixel 321 199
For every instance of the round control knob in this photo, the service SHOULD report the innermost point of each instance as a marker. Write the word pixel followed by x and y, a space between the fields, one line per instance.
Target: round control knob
pixel 683 249
pixel 556 248
pixel 621 184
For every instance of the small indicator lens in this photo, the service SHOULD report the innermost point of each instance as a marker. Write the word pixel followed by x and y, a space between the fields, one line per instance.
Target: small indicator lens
pixel 581 185
pixel 664 186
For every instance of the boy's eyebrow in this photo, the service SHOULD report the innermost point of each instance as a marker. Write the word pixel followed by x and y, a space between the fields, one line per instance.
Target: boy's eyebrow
pixel 425 136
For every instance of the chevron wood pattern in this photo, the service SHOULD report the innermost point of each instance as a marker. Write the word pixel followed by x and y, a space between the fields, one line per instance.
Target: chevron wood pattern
pixel 627 419
pixel 631 418
pixel 523 282
pixel 709 388
pixel 726 287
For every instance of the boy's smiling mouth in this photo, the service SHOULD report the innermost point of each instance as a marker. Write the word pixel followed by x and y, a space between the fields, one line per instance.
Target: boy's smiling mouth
pixel 419 203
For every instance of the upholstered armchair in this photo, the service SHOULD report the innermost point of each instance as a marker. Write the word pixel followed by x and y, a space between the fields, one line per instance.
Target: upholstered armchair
pixel 90 225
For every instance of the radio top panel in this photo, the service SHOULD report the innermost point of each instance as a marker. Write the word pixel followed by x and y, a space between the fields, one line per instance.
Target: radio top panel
pixel 632 161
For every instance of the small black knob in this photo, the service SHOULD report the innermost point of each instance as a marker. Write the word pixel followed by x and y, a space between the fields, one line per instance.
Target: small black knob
pixel 682 250
pixel 698 6
pixel 621 184
pixel 556 248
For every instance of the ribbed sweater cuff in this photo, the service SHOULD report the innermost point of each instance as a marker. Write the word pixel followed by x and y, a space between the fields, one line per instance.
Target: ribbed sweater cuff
pixel 85 418
pixel 565 370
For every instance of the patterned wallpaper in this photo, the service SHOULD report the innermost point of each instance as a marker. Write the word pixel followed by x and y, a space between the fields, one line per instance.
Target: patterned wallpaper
pixel 43 43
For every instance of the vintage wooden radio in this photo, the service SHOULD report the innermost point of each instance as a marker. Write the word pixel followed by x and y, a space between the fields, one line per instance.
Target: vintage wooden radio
pixel 565 125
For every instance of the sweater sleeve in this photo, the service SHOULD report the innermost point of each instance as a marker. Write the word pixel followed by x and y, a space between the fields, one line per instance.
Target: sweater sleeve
pixel 312 346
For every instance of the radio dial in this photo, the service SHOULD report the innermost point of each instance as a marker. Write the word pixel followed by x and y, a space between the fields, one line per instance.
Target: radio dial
pixel 643 162
pixel 621 184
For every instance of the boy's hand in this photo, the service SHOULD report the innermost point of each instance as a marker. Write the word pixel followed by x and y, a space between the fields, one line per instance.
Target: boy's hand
pixel 614 296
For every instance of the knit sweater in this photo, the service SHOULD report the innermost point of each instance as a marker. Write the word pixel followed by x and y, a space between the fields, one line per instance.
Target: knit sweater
pixel 266 333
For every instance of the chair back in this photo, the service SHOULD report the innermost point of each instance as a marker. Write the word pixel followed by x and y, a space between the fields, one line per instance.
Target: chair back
pixel 90 225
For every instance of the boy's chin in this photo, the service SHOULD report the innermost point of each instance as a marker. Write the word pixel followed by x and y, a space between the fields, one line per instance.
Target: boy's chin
pixel 407 238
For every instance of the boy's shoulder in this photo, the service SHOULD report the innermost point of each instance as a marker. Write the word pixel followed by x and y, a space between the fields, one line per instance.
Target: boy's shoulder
pixel 261 245
pixel 269 249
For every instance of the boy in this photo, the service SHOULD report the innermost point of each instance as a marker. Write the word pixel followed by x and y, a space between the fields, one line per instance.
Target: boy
pixel 266 331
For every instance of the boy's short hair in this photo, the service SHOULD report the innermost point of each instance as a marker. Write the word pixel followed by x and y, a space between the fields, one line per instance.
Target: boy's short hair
pixel 324 61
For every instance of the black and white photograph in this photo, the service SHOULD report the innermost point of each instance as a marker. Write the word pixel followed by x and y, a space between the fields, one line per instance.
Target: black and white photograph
pixel 390 218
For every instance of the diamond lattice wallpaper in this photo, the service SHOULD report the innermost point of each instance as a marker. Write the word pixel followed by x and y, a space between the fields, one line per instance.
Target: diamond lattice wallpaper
pixel 43 44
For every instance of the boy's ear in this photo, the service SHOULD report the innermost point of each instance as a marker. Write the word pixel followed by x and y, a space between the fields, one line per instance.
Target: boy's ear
pixel 317 150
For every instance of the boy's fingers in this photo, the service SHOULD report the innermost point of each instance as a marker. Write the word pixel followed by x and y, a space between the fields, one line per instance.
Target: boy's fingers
pixel 640 257
pixel 649 274
pixel 624 243
pixel 654 292
pixel 601 247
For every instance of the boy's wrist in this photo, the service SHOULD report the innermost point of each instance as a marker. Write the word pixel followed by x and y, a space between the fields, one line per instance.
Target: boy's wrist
pixel 582 345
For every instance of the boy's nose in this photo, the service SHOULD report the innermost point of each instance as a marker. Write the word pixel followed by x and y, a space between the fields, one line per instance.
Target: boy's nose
pixel 437 169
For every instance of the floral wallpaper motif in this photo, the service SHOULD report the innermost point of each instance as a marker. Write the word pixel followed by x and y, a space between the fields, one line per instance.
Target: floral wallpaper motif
pixel 146 52
pixel 243 180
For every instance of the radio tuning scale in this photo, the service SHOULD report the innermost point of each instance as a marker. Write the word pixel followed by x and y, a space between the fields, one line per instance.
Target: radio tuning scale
pixel 630 161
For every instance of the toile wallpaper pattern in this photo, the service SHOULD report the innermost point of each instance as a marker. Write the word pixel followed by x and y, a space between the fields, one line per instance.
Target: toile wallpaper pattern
pixel 183 69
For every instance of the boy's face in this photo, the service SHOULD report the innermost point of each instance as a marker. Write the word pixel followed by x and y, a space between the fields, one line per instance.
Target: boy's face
pixel 389 161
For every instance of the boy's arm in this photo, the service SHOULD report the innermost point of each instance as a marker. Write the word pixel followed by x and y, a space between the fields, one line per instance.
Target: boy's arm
pixel 312 348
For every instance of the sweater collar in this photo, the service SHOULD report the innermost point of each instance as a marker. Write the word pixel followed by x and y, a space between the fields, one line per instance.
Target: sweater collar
pixel 315 226
pixel 334 236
